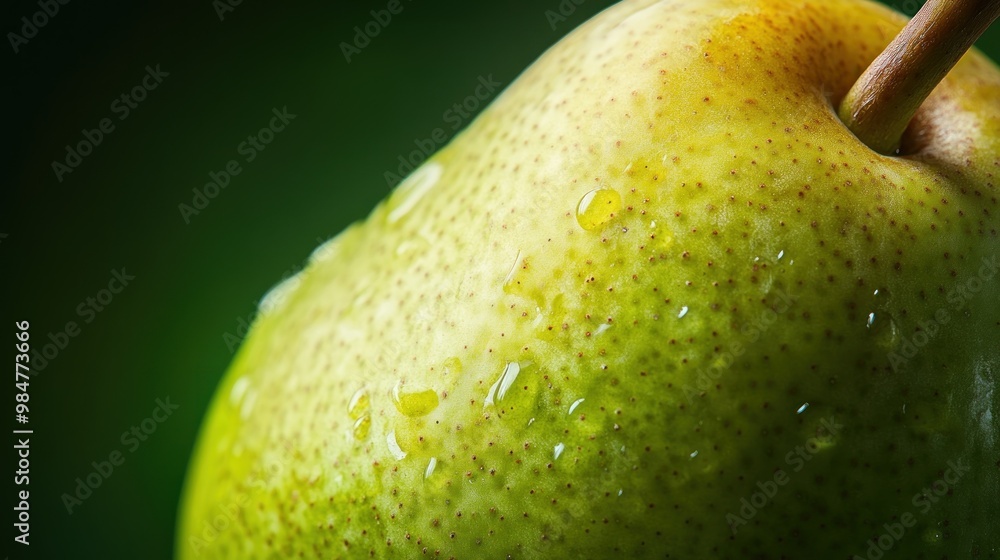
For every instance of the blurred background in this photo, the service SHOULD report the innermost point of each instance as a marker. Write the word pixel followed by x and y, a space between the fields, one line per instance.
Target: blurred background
pixel 161 293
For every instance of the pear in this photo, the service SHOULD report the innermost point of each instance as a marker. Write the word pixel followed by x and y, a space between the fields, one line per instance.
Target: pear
pixel 656 301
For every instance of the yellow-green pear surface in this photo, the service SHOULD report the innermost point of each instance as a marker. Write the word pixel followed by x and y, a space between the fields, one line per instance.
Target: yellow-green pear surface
pixel 655 302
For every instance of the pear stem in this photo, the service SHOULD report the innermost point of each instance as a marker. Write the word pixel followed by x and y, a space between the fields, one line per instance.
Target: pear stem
pixel 884 99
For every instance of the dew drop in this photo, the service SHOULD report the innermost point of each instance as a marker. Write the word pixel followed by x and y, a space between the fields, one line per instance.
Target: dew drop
pixel 684 311
pixel 239 389
pixel 359 404
pixel 802 408
pixel 412 189
pixel 500 387
pixel 601 328
pixel 249 400
pixel 407 246
pixel 694 454
pixel 452 366
pixel 575 404
pixel 780 254
pixel 361 427
pixel 883 328
pixel 882 294
pixel 597 208
pixel 509 284
pixel 414 401
pixel 394 448
pixel 430 467
pixel 325 250
pixel 557 451
pixel 279 295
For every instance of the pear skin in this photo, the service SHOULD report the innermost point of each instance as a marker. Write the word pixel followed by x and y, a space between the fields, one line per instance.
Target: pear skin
pixel 656 301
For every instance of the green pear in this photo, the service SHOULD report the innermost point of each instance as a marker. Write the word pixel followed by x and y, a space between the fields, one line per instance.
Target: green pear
pixel 655 302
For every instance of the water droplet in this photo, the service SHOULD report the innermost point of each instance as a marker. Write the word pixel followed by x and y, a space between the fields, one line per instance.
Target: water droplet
pixel 684 311
pixel 279 295
pixel 539 319
pixel 780 254
pixel 532 421
pixel 932 536
pixel 359 404
pixel 575 404
pixel 802 408
pixel 407 246
pixel 882 294
pixel 500 387
pixel 883 328
pixel 414 401
pixel 412 189
pixel 620 491
pixel 508 283
pixel 361 427
pixel 249 399
pixel 452 366
pixel 239 389
pixel 694 454
pixel 430 467
pixel 325 250
pixel 601 328
pixel 559 449
pixel 597 208
pixel 394 449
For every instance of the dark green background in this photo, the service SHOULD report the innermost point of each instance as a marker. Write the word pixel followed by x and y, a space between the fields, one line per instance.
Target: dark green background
pixel 163 335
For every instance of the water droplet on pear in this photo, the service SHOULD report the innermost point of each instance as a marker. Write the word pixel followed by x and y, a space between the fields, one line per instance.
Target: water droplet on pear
pixel 598 207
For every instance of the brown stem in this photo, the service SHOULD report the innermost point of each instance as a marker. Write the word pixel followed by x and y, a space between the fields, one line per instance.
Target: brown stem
pixel 887 95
